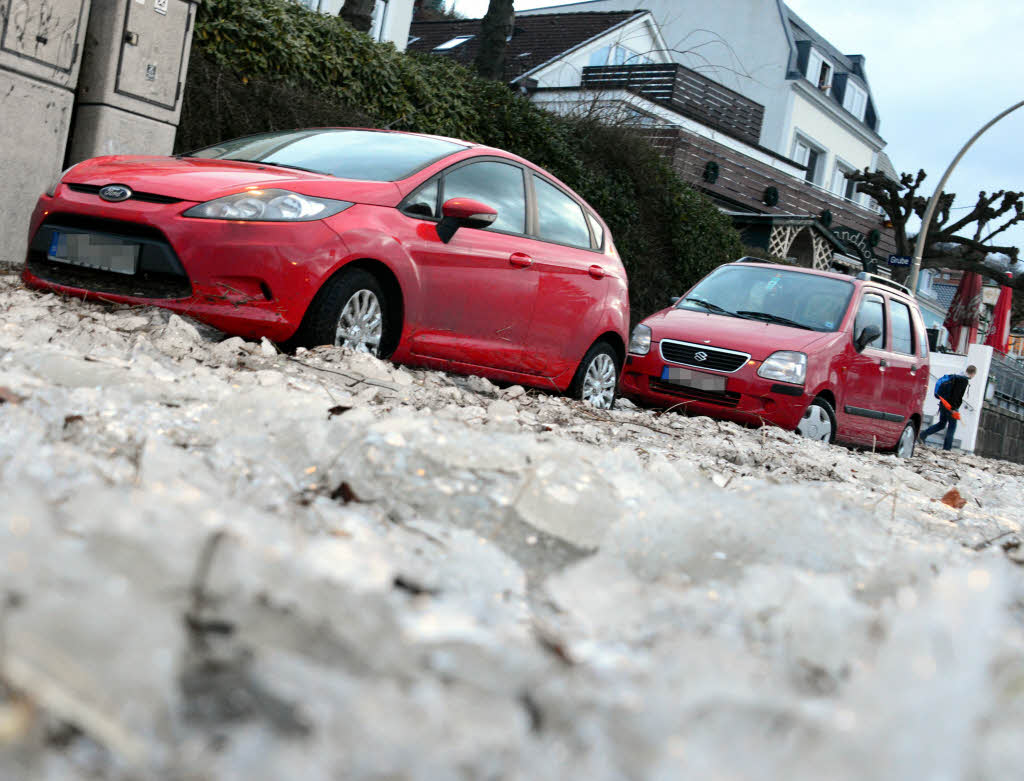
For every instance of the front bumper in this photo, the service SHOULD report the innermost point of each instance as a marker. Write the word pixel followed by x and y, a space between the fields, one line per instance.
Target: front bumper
pixel 247 279
pixel 747 398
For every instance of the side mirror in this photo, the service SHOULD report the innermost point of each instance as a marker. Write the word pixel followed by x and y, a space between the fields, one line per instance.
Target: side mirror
pixel 867 335
pixel 464 213
pixel 673 300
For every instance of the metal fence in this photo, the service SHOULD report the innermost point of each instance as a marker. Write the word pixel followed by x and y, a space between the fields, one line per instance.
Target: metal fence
pixel 1006 375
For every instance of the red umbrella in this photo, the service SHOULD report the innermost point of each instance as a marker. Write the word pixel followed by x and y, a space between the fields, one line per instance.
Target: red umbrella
pixel 1000 331
pixel 963 310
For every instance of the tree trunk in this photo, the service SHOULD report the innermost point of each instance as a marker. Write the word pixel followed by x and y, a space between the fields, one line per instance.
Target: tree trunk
pixel 358 13
pixel 495 29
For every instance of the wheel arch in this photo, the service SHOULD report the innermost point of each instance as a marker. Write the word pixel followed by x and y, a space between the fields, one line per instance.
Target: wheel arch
pixel 389 282
pixel 827 395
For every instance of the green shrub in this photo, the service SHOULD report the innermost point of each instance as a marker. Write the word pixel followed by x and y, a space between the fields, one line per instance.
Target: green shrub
pixel 270 64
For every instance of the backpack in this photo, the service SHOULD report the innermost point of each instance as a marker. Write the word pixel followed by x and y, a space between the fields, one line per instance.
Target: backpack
pixel 942 385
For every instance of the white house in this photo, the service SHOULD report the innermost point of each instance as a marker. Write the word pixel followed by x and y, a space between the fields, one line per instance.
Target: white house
pixel 818 106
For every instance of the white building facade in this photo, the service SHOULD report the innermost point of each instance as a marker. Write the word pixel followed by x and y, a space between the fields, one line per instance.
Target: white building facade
pixel 818 108
pixel 391 18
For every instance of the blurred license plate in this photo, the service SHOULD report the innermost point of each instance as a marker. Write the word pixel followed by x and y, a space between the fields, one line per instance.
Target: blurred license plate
pixel 100 252
pixel 701 380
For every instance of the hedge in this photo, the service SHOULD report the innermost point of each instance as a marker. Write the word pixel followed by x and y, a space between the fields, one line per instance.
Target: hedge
pixel 270 64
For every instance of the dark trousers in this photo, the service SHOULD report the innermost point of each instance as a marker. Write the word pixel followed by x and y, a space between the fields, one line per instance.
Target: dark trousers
pixel 945 419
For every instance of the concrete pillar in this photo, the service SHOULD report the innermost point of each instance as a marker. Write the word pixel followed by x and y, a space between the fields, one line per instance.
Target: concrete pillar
pixel 133 74
pixel 40 46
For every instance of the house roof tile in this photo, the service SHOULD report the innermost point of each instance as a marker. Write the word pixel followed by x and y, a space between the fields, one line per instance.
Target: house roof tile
pixel 535 39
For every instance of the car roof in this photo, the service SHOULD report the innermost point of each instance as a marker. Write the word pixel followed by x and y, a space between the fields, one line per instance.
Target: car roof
pixel 880 284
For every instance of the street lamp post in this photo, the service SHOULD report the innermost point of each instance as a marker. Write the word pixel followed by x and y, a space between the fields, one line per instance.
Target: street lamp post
pixel 926 221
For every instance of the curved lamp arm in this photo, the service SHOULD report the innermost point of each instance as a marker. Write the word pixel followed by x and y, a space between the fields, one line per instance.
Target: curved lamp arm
pixel 926 221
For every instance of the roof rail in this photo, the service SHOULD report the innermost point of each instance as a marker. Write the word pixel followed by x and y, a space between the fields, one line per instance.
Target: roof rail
pixel 880 280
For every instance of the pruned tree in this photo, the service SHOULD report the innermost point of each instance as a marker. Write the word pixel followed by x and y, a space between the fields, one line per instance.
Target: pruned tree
pixel 358 13
pixel 962 242
pixel 495 30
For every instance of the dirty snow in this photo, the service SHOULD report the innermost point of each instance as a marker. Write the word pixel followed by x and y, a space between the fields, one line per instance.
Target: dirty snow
pixel 221 562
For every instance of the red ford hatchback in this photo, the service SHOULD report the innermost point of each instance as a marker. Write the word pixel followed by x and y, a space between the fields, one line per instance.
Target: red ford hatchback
pixel 834 357
pixel 432 251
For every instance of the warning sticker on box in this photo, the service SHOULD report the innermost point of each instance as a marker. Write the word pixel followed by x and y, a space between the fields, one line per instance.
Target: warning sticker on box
pixel 160 6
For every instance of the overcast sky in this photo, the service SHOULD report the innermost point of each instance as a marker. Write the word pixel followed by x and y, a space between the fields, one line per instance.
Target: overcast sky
pixel 938 70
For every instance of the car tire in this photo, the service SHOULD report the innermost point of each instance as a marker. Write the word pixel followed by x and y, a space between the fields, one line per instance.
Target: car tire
pixel 818 422
pixel 597 377
pixel 351 310
pixel 906 443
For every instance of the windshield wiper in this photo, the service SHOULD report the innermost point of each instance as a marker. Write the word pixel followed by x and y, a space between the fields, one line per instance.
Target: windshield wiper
pixel 710 307
pixel 274 163
pixel 773 319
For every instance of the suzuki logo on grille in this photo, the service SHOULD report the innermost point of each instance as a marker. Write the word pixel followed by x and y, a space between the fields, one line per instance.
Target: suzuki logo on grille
pixel 115 193
pixel 701 356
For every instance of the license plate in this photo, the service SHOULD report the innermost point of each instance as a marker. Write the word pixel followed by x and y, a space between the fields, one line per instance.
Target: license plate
pixel 693 379
pixel 105 253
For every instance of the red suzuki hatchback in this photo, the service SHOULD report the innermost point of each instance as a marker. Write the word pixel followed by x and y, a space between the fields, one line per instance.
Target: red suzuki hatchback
pixel 428 250
pixel 834 357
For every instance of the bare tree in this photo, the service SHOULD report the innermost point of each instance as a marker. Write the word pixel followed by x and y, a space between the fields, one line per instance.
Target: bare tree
pixel 963 242
pixel 358 13
pixel 495 30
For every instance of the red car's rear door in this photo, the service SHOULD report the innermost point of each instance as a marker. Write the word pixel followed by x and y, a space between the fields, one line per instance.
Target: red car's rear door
pixel 572 283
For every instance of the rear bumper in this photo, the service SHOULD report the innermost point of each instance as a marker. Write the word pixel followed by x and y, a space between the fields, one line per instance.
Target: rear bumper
pixel 747 399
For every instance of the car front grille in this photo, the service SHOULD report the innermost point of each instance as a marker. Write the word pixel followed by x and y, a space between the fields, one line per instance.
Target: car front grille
pixel 721 398
pixel 702 356
pixel 159 274
pixel 94 189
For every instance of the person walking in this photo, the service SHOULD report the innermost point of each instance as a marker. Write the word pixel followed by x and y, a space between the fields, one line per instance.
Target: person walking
pixel 950 391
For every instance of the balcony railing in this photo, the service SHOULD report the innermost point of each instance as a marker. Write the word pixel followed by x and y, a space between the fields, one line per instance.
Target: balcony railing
pixel 687 92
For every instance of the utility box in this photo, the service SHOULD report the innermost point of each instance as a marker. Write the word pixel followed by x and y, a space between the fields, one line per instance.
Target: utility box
pixel 133 74
pixel 41 42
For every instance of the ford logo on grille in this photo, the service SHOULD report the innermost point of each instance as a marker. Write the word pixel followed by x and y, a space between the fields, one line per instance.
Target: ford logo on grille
pixel 701 356
pixel 115 193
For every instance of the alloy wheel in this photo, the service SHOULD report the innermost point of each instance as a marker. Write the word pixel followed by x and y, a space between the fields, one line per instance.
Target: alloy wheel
pixel 360 324
pixel 599 382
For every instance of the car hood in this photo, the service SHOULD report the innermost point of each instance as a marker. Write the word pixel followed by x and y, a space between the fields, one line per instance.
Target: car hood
pixel 755 337
pixel 198 179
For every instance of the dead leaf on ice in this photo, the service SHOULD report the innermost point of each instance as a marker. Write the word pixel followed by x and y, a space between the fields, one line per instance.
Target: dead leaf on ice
pixel 953 498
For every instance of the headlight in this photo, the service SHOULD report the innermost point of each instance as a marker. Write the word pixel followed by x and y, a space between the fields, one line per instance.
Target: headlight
pixel 786 366
pixel 268 206
pixel 640 341
pixel 60 178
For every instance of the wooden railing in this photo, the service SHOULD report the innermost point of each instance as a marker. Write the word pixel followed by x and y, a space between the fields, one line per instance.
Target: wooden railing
pixel 686 91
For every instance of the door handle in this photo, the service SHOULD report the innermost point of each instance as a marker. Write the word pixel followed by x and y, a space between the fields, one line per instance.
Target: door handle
pixel 884 363
pixel 596 272
pixel 520 260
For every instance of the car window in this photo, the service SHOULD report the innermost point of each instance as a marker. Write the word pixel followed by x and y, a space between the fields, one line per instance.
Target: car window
pixel 595 226
pixel 498 185
pixel 871 312
pixel 560 219
pixel 902 328
pixel 810 300
pixel 366 155
pixel 423 202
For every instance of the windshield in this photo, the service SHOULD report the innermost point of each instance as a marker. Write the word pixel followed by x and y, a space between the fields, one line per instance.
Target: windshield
pixel 366 155
pixel 789 298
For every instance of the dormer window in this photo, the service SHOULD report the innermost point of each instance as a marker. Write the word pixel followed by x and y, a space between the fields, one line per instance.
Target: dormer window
pixel 452 43
pixel 819 71
pixel 855 100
